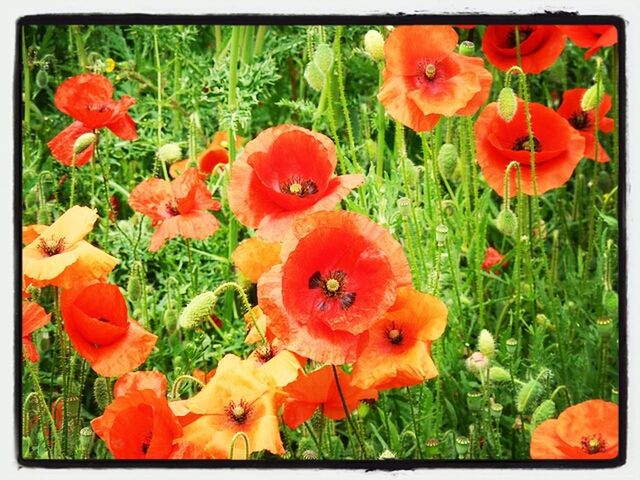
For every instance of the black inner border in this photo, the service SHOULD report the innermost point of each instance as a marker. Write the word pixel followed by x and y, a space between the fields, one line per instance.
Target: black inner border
pixel 548 17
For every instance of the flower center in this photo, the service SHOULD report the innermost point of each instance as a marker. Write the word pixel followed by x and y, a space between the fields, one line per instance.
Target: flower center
pixel 593 444
pixel 146 442
pixel 333 287
pixel 264 353
pixel 580 120
pixel 394 334
pixel 430 71
pixel 172 209
pixel 522 143
pixel 298 187
pixel 238 412
pixel 97 107
pixel 51 247
pixel 525 32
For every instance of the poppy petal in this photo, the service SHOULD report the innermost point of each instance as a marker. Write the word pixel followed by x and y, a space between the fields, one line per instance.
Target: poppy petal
pixel 62 145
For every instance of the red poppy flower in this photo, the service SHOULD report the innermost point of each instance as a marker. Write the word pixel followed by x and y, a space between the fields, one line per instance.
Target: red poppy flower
pixel 136 381
pixel 96 320
pixel 425 79
pixel 558 148
pixel 177 208
pixel 540 46
pixel 592 37
pixel 283 174
pixel 338 277
pixel 492 257
pixel 239 398
pixel 585 122
pixel 215 154
pixel 397 353
pixel 88 98
pixel 318 389
pixel 33 318
pixel 586 431
pixel 140 425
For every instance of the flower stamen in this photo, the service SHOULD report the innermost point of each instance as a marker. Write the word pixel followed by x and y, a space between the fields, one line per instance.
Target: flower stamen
pixel 51 246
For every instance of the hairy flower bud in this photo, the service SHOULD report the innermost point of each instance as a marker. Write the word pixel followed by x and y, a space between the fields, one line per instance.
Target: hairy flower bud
pixel 83 142
pixel 499 375
pixel 101 392
pixel 545 411
pixel 387 455
pixel 374 45
pixel 447 160
pixel 198 310
pixel 314 76
pixel 592 97
pixel 323 58
pixel 507 104
pixel 170 153
pixel 528 395
pixel 486 343
pixel 507 222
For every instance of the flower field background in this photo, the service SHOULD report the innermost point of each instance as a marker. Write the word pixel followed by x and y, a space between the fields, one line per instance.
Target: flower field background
pixel 320 242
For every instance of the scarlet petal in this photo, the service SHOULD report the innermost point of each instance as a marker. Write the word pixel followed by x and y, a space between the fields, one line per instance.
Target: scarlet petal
pixel 61 145
pixel 198 225
pixel 124 127
pixel 151 198
pixel 137 381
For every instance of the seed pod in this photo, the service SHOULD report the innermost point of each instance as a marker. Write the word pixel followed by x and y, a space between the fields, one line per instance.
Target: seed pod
pixel 512 346
pixel 83 142
pixel 433 447
pixel 592 97
pixel 507 104
pixel 610 302
pixel 323 58
pixel 528 395
pixel 374 45
pixel 170 153
pixel 507 222
pixel 314 76
pixel 447 160
pixel 486 343
pixel 101 392
pixel 42 78
pixel 198 310
pixel 441 233
pixel 499 375
pixel 605 327
pixel 309 455
pixel 496 410
pixel 545 411
pixel 474 400
pixel 462 445
pixel 466 48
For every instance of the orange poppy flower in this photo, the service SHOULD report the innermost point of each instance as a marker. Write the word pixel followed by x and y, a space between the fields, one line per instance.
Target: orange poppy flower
pixel 31 232
pixel 33 318
pixel 96 320
pixel 318 389
pixel 425 79
pixel 558 148
pixel 540 46
pixel 273 360
pixel 322 300
pixel 215 154
pixel 586 431
pixel 253 257
pixel 397 353
pixel 203 376
pixel 592 37
pixel 88 98
pixel 492 258
pixel 59 256
pixel 283 174
pixel 140 425
pixel 136 381
pixel 239 398
pixel 585 122
pixel 177 208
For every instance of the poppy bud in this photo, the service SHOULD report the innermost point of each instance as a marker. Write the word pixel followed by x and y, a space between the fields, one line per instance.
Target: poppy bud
pixel 323 58
pixel 170 153
pixel 499 375
pixel 512 346
pixel 433 447
pixel 477 362
pixel 441 233
pixel 605 327
pixel 462 445
pixel 374 45
pixel 314 76
pixel 610 302
pixel 474 401
pixel 592 97
pixel 387 455
pixel 528 394
pixel 545 411
pixel 198 310
pixel 134 286
pixel 496 410
pixel 309 455
pixel 83 142
pixel 507 104
pixel 507 222
pixel 447 160
pixel 42 78
pixel 466 48
pixel 486 344
pixel 170 318
pixel 101 392
pixel 86 441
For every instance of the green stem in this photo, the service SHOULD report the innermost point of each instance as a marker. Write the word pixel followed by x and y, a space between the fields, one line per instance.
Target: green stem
pixel 26 79
pixel 156 52
pixel 343 98
pixel 347 414
pixel 259 44
pixel 415 422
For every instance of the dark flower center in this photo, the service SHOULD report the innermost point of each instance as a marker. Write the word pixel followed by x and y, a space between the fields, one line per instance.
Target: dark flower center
pixel 522 143
pixel 394 334
pixel 172 209
pixel 265 352
pixel 580 120
pixel 593 444
pixel 525 32
pixel 333 286
pixel 428 72
pixel 238 412
pixel 146 442
pixel 97 107
pixel 298 187
pixel 51 246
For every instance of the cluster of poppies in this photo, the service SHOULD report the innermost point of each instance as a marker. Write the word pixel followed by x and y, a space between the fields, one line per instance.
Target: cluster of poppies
pixel 338 319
